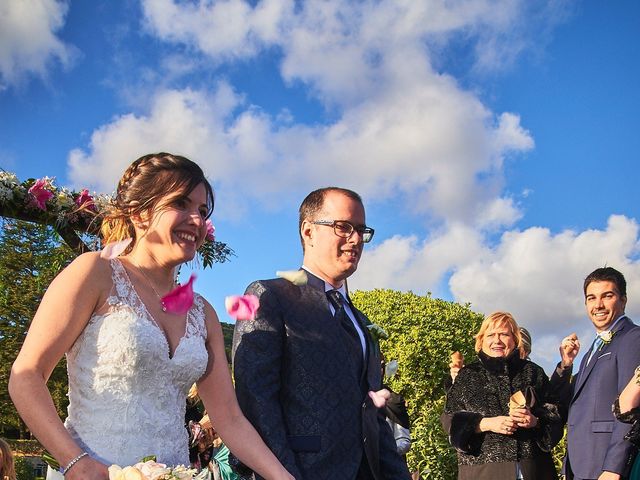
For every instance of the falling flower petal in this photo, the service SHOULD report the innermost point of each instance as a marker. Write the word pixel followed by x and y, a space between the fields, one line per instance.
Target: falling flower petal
pixel 40 194
pixel 180 299
pixel 377 332
pixel 211 231
pixel 113 249
pixel 297 277
pixel 390 368
pixel 242 307
pixel 380 397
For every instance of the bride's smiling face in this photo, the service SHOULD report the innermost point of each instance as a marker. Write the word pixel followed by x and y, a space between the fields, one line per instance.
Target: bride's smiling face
pixel 176 227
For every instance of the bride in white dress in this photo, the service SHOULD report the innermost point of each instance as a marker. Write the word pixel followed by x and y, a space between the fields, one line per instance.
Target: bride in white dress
pixel 130 361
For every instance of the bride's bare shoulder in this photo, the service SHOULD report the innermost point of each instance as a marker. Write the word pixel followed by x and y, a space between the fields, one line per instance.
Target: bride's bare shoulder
pixel 88 265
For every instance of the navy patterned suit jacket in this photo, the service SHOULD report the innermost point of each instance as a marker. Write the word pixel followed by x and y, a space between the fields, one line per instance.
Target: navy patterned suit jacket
pixel 595 439
pixel 297 384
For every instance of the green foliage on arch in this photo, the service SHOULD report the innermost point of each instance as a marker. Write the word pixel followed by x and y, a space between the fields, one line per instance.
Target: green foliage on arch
pixel 423 332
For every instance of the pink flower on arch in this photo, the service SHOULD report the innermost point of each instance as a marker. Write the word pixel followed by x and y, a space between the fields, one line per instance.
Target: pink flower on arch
pixel 242 307
pixel 211 231
pixel 180 299
pixel 85 198
pixel 40 194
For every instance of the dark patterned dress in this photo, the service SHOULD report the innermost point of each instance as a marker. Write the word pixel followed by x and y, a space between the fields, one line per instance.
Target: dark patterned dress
pixel 633 417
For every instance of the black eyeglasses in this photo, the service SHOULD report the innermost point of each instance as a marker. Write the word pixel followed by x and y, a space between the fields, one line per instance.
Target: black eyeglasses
pixel 344 229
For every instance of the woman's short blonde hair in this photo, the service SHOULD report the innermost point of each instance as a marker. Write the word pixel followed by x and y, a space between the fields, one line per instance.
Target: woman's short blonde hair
pixel 498 319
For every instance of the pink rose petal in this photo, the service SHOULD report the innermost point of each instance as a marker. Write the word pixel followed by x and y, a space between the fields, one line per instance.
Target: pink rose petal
pixel 40 194
pixel 380 397
pixel 114 249
pixel 242 307
pixel 180 299
pixel 211 231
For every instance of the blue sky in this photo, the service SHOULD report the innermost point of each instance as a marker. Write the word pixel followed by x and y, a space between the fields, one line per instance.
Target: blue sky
pixel 493 141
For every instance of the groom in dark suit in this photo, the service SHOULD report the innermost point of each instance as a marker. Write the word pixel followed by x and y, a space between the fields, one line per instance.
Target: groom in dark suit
pixel 596 448
pixel 304 366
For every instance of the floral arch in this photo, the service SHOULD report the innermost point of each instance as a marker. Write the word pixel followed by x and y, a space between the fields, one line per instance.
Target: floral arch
pixel 41 201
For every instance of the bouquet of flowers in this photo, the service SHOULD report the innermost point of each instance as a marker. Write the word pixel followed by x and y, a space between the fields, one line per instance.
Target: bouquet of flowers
pixel 151 470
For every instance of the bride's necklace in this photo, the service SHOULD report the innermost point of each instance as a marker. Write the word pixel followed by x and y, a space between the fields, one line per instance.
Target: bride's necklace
pixel 162 304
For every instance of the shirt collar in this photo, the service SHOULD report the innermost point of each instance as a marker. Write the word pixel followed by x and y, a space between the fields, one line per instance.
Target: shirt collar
pixel 613 325
pixel 327 286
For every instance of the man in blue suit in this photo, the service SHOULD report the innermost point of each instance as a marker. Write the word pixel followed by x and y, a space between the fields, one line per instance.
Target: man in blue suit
pixel 305 364
pixel 596 448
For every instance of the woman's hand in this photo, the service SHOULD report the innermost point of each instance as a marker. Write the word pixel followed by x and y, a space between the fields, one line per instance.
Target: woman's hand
pixel 87 469
pixel 523 418
pixel 502 424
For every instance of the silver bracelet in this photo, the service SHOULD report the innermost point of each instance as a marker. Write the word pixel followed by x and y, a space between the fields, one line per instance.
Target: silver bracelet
pixel 64 470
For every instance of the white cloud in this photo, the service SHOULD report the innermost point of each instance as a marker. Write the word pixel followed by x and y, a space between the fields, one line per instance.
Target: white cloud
pixel 501 212
pixel 346 50
pixel 405 141
pixel 222 30
pixel 184 122
pixel 28 41
pixel 401 127
pixel 405 263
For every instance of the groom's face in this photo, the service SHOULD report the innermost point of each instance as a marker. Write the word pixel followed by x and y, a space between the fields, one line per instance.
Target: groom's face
pixel 328 255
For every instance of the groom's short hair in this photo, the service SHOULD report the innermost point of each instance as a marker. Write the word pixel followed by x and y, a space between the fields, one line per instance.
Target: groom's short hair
pixel 607 274
pixel 313 203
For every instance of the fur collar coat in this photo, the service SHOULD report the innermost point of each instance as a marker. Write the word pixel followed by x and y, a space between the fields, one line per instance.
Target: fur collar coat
pixel 483 389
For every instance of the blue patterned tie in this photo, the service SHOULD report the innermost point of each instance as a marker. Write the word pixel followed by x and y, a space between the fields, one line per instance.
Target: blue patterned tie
pixel 351 335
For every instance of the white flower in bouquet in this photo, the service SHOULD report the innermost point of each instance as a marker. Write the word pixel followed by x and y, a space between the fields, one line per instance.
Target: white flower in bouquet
pixel 153 470
pixel 126 473
pixel 150 470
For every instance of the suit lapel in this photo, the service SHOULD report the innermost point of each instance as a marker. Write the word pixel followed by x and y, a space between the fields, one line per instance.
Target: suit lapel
pixel 606 347
pixel 370 357
pixel 585 370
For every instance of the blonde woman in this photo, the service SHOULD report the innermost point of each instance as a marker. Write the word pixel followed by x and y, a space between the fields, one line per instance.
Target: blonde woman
pixel 493 440
pixel 131 361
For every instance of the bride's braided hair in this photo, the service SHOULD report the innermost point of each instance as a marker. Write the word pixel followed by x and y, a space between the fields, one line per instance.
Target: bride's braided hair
pixel 145 182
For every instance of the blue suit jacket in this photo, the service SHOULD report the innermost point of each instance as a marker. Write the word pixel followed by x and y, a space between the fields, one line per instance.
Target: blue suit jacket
pixel 297 384
pixel 595 439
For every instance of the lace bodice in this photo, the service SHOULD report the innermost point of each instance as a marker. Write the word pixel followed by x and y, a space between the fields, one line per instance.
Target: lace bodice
pixel 126 393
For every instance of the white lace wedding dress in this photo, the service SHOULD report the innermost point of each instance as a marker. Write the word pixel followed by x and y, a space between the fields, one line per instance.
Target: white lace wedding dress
pixel 127 393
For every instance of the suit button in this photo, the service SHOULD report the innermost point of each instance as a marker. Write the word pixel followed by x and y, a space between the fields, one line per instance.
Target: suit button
pixel 364 440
